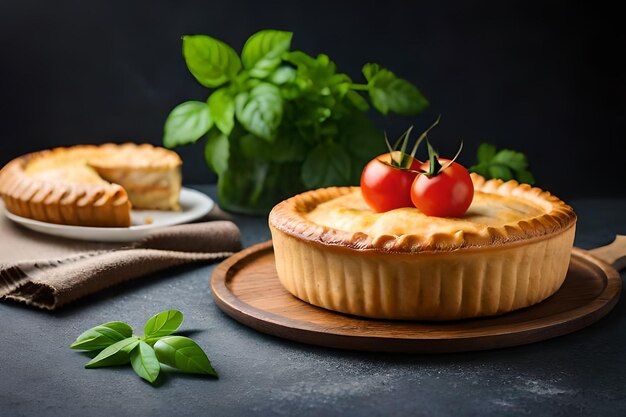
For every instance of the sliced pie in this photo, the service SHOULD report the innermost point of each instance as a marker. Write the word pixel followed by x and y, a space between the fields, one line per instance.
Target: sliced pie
pixel 91 185
pixel 510 250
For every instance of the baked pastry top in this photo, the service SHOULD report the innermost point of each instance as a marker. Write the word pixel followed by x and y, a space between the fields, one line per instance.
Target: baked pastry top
pixel 350 213
pixel 83 158
pixel 92 185
pixel 500 213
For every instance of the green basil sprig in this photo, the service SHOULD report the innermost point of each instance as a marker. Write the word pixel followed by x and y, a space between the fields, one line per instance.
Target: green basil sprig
pixel 145 353
pixel 505 164
pixel 275 105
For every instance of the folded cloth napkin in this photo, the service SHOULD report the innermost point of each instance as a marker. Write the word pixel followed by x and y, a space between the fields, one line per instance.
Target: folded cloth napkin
pixel 49 272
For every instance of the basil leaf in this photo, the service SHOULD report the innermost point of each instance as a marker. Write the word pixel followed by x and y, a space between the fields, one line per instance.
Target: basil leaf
pixel 116 354
pixel 512 159
pixel 163 323
pixel 222 108
pixel 187 123
pixel 283 75
pixel 101 336
pixel 486 152
pixel 357 100
pixel 390 93
pixel 340 84
pixel 524 176
pixel 370 70
pixel 217 152
pixel 505 164
pixel 144 361
pixel 327 164
pixel 397 95
pixel 323 74
pixel 183 353
pixel 260 111
pixel 317 76
pixel 480 169
pixel 262 52
pixel 500 171
pixel 300 59
pixel 210 61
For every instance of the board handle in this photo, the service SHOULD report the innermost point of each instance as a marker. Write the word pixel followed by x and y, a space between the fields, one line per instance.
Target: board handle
pixel 613 253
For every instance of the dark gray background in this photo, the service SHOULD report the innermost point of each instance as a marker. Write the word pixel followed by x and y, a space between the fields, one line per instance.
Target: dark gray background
pixel 541 77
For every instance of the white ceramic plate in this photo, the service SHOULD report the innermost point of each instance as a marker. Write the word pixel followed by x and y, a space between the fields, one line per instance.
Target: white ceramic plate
pixel 194 205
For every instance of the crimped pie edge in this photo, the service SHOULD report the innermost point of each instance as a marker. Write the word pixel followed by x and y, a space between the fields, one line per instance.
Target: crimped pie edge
pixel 288 217
pixel 166 158
pixel 63 203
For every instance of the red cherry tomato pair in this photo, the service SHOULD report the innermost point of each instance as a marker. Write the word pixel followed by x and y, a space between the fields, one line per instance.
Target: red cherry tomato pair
pixel 447 194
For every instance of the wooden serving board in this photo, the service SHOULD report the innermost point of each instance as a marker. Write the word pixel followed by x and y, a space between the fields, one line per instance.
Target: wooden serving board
pixel 247 288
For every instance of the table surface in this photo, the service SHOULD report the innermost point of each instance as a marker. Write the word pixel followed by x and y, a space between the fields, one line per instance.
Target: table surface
pixel 583 373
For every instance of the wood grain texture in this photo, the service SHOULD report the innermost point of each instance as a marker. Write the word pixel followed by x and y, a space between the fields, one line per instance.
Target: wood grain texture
pixel 613 253
pixel 247 288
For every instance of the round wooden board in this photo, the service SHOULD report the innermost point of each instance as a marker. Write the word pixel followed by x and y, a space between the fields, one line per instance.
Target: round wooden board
pixel 247 288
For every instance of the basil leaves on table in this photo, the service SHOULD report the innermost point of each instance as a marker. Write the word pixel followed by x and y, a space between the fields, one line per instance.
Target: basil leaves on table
pixel 145 353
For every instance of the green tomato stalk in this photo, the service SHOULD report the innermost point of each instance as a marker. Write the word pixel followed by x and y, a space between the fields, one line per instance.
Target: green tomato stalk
pixel 405 159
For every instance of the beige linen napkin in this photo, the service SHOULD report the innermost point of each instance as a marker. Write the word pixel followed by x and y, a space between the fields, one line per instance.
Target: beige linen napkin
pixel 49 272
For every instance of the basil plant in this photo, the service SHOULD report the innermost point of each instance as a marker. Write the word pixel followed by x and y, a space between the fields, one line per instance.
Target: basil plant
pixel 278 121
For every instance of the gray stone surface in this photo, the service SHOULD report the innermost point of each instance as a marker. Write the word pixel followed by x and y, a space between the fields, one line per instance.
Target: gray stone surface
pixel 579 374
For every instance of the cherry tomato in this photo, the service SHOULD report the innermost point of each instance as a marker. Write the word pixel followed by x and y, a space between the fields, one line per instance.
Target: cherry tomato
pixel 385 187
pixel 448 194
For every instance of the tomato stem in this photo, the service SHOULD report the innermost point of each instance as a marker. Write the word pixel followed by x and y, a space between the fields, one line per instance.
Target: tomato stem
pixel 405 160
pixel 424 135
pixel 434 168
pixel 453 159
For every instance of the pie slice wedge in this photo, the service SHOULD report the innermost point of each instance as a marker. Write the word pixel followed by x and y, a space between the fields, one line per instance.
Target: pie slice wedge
pixel 92 185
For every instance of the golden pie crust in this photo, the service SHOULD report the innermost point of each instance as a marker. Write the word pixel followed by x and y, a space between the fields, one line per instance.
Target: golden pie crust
pixel 91 185
pixel 510 250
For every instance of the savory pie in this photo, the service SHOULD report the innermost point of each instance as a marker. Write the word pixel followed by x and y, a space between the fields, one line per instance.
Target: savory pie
pixel 91 185
pixel 510 250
